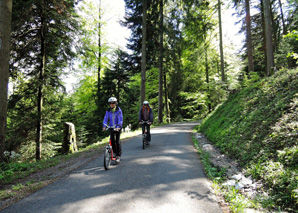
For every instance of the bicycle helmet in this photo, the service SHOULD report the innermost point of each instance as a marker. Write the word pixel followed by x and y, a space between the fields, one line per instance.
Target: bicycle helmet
pixel 112 99
pixel 146 102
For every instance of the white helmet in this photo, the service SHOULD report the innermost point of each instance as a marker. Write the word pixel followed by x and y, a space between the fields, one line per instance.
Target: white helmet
pixel 112 99
pixel 146 102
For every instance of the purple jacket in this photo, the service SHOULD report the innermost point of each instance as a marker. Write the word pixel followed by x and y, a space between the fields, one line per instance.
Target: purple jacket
pixel 113 119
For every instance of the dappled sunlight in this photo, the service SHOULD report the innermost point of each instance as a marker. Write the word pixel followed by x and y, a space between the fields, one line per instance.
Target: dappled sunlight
pixel 166 130
pixel 101 185
pixel 177 128
pixel 176 172
pixel 152 160
pixel 158 198
pixel 175 151
pixel 162 178
pixel 173 162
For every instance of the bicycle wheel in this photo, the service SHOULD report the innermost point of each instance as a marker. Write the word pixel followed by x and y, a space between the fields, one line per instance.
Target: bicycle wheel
pixel 144 141
pixel 107 159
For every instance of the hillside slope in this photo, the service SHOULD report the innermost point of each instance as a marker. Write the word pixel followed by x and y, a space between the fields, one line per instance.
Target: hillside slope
pixel 258 126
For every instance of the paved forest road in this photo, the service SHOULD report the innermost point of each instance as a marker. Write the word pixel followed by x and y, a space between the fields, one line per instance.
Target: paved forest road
pixel 165 177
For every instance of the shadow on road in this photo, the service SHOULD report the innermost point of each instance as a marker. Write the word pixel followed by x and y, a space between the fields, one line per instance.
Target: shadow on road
pixel 167 174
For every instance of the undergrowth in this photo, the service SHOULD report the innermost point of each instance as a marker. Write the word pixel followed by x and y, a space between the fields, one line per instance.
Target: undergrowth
pixel 258 127
pixel 237 202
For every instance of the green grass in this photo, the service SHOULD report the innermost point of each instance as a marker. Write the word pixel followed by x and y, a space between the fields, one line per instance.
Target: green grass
pixel 237 202
pixel 258 127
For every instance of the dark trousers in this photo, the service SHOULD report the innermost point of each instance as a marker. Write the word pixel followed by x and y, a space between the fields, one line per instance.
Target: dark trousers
pixel 147 126
pixel 116 143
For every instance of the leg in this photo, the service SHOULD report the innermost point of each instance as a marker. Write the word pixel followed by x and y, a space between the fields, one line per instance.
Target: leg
pixel 112 135
pixel 143 128
pixel 118 144
pixel 148 132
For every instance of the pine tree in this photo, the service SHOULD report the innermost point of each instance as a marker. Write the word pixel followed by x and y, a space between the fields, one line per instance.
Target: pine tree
pixel 42 34
pixel 5 30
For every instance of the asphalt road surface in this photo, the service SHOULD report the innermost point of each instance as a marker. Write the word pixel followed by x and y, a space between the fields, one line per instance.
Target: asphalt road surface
pixel 165 177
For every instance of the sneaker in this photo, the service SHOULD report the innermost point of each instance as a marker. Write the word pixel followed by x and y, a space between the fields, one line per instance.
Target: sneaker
pixel 117 159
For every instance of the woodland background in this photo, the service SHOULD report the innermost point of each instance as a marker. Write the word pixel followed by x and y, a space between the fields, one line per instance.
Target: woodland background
pixel 176 60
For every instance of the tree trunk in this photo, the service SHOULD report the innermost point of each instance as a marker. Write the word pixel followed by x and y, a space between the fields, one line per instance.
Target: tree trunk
pixel 168 119
pixel 264 35
pixel 40 86
pixel 207 76
pixel 284 29
pixel 268 38
pixel 99 66
pixel 143 65
pixel 160 102
pixel 248 37
pixel 70 142
pixel 221 43
pixel 275 33
pixel 5 31
pixel 118 79
pixel 168 116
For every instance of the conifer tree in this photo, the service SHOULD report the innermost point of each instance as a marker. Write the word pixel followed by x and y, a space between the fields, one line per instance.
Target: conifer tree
pixel 42 36
pixel 5 30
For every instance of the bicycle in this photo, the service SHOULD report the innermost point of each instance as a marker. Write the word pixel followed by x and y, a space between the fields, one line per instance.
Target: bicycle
pixel 144 138
pixel 108 155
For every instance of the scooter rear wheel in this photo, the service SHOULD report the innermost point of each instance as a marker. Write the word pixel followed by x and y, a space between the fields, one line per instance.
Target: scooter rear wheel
pixel 144 141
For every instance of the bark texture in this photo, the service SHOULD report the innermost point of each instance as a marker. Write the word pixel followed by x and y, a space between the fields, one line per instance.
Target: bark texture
pixel 5 31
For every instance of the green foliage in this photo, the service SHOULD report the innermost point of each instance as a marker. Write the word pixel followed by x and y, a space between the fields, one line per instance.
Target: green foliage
pixel 12 171
pixel 131 103
pixel 281 181
pixel 289 156
pixel 194 105
pixel 79 108
pixel 57 23
pixel 284 20
pixel 237 201
pixel 292 37
pixel 21 125
pixel 258 127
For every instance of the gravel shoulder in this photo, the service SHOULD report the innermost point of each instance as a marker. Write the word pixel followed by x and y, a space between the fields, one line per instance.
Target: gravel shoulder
pixel 247 186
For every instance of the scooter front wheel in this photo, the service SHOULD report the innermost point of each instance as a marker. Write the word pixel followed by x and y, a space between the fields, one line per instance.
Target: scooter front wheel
pixel 107 159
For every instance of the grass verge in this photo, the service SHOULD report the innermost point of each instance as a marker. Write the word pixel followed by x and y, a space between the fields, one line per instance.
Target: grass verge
pixel 258 127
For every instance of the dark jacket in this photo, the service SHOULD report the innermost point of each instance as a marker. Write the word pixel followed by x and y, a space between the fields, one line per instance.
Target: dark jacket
pixel 141 114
